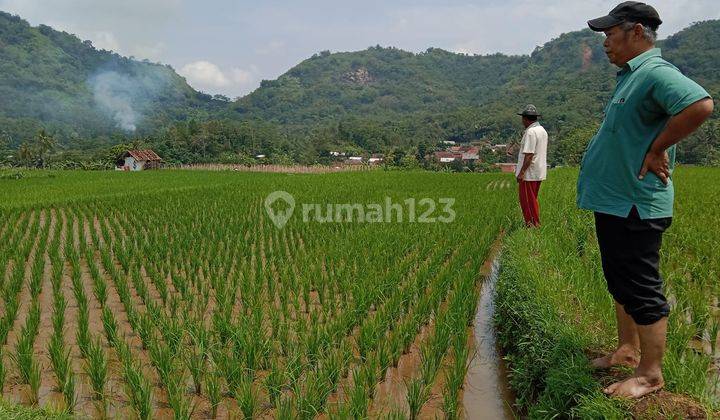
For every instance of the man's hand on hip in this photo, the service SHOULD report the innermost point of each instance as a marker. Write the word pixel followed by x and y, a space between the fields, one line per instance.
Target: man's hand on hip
pixel 657 163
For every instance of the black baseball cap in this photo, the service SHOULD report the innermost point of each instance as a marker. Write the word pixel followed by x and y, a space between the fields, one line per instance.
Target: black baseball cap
pixel 629 11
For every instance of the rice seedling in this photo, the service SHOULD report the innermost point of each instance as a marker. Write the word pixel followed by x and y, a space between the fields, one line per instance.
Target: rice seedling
pixel 3 373
pixel 417 395
pixel 163 360
pixel 68 391
pixel 34 379
pixel 60 361
pixel 274 382
pixel 138 390
pixel 96 368
pixel 311 394
pixel 247 399
pixel 358 399
pixel 110 327
pixel 195 361
pixel 285 409
pixel 213 389
pixel 182 405
pixel 82 336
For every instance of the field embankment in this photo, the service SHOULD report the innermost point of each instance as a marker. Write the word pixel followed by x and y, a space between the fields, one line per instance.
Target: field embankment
pixel 553 310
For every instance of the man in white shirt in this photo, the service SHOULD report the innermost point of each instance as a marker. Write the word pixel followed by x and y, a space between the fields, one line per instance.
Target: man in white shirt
pixel 531 168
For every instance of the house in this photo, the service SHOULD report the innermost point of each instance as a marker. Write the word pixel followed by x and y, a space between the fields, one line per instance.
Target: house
pixel 470 153
pixel 453 153
pixel 354 160
pixel 447 157
pixel 376 159
pixel 138 160
pixel 496 147
pixel 508 168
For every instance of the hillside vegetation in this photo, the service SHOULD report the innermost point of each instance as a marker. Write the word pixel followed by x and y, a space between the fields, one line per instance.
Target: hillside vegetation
pixel 376 100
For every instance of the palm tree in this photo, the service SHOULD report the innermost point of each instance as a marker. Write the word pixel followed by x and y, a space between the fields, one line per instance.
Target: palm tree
pixel 45 144
pixel 25 154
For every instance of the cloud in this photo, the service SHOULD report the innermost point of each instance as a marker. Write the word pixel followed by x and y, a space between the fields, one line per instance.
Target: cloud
pixel 242 77
pixel 209 77
pixel 151 52
pixel 105 40
pixel 204 73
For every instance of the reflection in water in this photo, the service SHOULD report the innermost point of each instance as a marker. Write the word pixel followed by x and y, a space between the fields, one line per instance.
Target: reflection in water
pixel 487 394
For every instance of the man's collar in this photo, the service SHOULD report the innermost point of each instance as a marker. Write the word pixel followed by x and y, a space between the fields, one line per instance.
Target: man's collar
pixel 642 58
pixel 535 124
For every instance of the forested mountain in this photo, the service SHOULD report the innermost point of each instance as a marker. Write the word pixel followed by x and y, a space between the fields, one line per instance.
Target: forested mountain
pixel 438 94
pixel 55 81
pixel 376 100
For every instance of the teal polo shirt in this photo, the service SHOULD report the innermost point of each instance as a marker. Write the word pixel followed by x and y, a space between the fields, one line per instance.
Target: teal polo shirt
pixel 649 92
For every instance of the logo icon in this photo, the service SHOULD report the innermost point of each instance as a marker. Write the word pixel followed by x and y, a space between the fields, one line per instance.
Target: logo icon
pixel 280 213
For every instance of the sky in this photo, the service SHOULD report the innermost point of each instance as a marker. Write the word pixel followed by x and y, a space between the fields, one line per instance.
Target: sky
pixel 228 46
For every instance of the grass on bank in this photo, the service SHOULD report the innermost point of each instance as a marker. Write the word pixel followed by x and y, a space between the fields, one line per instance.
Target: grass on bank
pixel 553 308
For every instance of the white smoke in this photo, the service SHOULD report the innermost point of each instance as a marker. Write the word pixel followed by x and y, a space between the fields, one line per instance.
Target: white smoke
pixel 114 92
pixel 124 97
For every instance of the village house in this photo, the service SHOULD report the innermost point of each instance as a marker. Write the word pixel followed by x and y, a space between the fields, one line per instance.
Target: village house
pixel 354 160
pixel 376 159
pixel 507 168
pixel 138 160
pixel 462 153
pixel 447 157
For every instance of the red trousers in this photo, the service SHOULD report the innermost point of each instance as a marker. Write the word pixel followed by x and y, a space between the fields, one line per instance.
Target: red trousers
pixel 529 202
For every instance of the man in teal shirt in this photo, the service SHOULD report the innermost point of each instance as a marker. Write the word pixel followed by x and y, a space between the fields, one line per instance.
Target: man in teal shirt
pixel 626 179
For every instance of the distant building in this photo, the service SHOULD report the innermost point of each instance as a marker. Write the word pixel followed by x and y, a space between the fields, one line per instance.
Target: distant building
pixel 354 160
pixel 376 159
pixel 138 160
pixel 447 157
pixel 470 153
pixel 463 153
pixel 507 167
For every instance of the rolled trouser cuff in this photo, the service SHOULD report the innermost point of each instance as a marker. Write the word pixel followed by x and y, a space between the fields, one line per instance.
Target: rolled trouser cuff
pixel 649 317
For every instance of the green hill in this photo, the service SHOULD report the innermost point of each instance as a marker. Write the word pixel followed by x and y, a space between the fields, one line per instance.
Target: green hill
pixel 466 97
pixel 376 100
pixel 55 81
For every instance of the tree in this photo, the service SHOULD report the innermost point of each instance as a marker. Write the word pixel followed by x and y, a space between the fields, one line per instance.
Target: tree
pixel 25 154
pixel 4 148
pixel 421 152
pixel 44 145
pixel 569 149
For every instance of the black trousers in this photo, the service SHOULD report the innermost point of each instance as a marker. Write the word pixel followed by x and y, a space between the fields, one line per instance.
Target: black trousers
pixel 630 251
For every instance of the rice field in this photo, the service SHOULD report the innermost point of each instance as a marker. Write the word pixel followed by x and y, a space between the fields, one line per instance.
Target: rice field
pixel 173 295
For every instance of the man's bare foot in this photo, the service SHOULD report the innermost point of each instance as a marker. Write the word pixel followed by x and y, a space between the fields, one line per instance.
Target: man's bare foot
pixel 625 355
pixel 635 387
